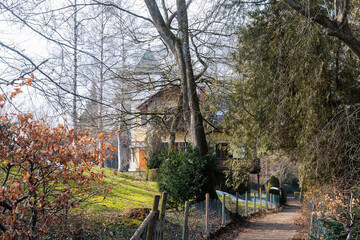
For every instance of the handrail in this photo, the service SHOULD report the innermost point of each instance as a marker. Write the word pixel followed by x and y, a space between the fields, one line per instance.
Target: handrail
pixel 143 225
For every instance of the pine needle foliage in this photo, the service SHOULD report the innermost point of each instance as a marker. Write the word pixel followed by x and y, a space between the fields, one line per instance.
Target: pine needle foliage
pixel 294 80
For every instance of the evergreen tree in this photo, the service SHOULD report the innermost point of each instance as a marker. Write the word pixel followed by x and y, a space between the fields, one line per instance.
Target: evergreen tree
pixel 295 79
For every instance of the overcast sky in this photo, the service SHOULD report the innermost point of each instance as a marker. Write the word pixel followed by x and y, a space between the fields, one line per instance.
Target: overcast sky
pixel 34 46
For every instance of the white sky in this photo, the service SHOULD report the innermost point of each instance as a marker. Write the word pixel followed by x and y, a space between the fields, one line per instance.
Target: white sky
pixel 37 48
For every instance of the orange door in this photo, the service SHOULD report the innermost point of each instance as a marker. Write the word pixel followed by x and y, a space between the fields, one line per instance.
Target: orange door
pixel 142 159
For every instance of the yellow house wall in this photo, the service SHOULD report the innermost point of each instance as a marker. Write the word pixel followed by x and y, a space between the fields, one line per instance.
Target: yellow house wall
pixel 179 137
pixel 213 139
pixel 140 133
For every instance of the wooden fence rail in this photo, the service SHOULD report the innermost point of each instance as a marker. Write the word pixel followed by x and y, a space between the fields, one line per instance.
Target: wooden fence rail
pixel 143 226
pixel 153 222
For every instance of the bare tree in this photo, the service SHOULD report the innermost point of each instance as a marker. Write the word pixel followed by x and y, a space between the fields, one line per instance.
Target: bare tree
pixel 74 108
pixel 180 47
pixel 191 46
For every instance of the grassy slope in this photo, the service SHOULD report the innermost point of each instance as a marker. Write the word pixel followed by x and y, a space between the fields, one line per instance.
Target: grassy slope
pixel 127 193
pixel 109 217
pixel 112 217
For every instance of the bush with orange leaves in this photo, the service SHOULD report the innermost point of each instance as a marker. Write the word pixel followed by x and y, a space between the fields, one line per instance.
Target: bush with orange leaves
pixel 44 173
pixel 338 212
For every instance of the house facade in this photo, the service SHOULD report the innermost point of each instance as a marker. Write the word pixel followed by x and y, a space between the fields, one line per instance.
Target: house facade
pixel 149 78
pixel 158 106
pixel 156 130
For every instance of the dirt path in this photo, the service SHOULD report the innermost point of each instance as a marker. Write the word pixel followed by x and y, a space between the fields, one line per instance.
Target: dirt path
pixel 280 225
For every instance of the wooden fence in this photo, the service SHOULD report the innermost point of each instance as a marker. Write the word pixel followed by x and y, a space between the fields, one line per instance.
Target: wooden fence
pixel 154 222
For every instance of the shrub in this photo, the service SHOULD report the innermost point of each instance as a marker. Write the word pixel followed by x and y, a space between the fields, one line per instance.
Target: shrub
pixel 283 198
pixel 152 174
pixel 44 173
pixel 331 229
pixel 183 174
pixel 153 163
pixel 273 182
pixel 274 191
pixel 336 213
pixel 295 184
pixel 153 160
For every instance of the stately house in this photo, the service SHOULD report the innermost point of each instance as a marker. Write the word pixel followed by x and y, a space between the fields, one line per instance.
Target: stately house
pixel 162 99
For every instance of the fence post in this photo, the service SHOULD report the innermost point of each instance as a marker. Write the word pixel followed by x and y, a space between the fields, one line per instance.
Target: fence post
pixel 160 227
pixel 223 210
pixel 267 199
pixel 237 204
pixel 260 200
pixel 207 227
pixel 246 204
pixel 311 218
pixel 271 201
pixel 186 230
pixel 254 201
pixel 352 217
pixel 151 226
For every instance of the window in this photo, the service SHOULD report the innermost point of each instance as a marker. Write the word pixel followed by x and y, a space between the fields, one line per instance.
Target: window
pixel 179 146
pixel 222 151
pixel 164 145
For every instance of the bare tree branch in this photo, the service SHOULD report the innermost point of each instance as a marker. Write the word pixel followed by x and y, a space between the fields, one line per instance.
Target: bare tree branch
pixel 108 4
pixel 339 28
pixel 160 24
pixel 205 66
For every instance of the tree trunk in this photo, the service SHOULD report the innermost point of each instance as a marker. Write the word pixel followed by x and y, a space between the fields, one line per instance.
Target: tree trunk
pixel 180 48
pixel 74 107
pixel 196 127
pixel 175 123
pixel 119 149
pixel 101 74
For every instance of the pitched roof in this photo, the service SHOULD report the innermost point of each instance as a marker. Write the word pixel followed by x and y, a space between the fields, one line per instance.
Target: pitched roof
pixel 162 92
pixel 148 63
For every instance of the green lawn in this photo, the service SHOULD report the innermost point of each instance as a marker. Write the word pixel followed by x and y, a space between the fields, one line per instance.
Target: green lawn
pixel 119 214
pixel 127 192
